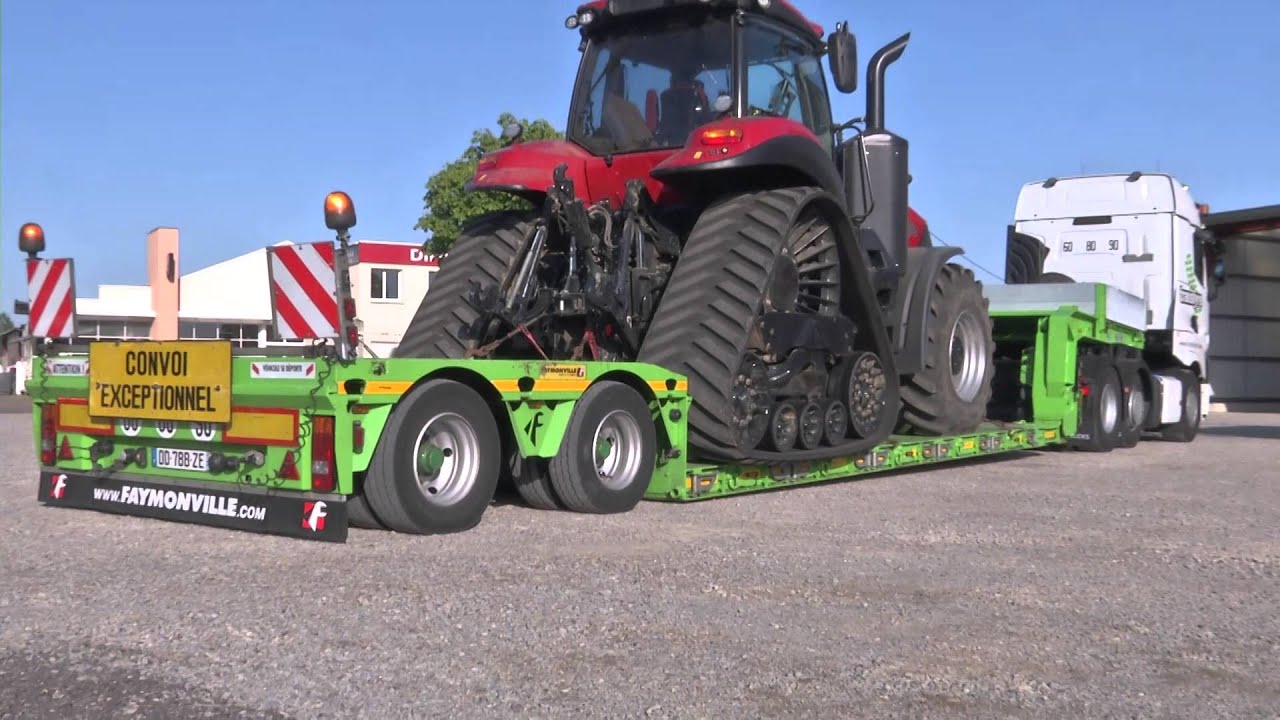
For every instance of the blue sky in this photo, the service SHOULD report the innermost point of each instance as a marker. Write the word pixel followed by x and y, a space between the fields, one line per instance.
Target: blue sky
pixel 230 120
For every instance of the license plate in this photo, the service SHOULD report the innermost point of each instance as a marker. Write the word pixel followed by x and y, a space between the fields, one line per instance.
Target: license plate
pixel 177 459
pixel 161 380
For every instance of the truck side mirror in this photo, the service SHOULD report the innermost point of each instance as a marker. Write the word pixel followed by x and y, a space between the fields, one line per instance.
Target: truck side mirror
pixel 842 55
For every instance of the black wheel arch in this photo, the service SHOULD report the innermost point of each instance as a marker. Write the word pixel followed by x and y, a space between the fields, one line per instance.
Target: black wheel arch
pixel 910 313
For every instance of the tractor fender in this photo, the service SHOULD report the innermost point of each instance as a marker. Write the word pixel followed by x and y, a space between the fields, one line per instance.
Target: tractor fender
pixel 779 153
pixel 912 315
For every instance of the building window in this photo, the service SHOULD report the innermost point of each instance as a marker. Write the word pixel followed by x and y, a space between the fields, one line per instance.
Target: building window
pixel 110 329
pixel 240 335
pixel 384 284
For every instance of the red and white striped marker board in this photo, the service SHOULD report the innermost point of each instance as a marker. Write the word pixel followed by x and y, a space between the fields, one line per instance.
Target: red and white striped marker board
pixel 51 293
pixel 303 290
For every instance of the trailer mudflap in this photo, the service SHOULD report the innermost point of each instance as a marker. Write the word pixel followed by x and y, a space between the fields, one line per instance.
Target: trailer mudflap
pixel 302 515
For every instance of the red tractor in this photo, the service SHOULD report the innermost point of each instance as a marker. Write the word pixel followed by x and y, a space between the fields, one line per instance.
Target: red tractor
pixel 706 214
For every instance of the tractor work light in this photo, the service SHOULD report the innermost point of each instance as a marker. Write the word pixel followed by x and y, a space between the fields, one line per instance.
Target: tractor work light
pixel 339 211
pixel 31 239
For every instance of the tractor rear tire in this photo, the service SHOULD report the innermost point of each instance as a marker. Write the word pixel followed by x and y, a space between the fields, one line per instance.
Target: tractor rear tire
pixel 943 399
pixel 484 252
pixel 712 301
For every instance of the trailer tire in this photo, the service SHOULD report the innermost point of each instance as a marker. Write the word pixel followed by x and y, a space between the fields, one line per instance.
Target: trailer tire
pixel 608 414
pixel 360 515
pixel 459 460
pixel 533 483
pixel 1188 426
pixel 940 399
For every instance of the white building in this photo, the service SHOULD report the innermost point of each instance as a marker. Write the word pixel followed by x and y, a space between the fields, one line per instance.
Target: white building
pixel 388 283
pixel 231 300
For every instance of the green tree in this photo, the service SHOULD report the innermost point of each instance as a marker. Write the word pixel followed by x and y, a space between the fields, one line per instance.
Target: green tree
pixel 6 324
pixel 447 207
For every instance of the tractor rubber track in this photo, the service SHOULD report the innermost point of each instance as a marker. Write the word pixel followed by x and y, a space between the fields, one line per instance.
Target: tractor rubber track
pixel 484 252
pixel 711 302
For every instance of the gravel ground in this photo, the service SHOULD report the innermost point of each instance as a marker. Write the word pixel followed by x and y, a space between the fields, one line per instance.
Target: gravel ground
pixel 1137 584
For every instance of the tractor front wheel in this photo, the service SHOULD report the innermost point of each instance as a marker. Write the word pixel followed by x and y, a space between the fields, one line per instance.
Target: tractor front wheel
pixel 949 395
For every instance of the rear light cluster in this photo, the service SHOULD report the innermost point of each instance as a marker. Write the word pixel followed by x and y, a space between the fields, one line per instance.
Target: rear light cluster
pixel 324 471
pixel 353 334
pixel 48 435
pixel 323 475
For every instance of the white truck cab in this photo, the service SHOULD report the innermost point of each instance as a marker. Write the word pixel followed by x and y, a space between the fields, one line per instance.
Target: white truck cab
pixel 1140 233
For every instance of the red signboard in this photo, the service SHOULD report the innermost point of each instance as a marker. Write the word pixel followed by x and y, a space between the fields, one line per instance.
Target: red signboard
pixel 395 254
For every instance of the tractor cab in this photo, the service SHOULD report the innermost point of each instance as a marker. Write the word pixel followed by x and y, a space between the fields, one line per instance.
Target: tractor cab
pixel 652 74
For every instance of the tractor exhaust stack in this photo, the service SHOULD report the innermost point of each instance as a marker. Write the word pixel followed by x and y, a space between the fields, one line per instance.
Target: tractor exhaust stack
pixel 880 62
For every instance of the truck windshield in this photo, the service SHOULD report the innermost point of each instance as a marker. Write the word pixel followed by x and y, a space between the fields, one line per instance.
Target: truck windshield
pixel 647 86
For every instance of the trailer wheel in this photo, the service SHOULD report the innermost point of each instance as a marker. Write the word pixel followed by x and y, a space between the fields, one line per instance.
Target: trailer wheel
pixel 533 483
pixel 1188 426
pixel 435 470
pixel 949 395
pixel 360 515
pixel 605 462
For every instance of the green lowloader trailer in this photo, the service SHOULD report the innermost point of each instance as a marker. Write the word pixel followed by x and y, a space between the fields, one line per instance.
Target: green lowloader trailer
pixel 307 434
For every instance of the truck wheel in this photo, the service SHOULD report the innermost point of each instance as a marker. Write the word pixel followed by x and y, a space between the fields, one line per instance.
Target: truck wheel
pixel 1136 406
pixel 605 462
pixel 436 467
pixel 1101 408
pixel 484 252
pixel 1188 426
pixel 950 395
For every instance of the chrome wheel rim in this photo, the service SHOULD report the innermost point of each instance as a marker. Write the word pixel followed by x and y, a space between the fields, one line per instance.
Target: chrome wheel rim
pixel 616 450
pixel 1137 407
pixel 446 458
pixel 1110 409
pixel 968 356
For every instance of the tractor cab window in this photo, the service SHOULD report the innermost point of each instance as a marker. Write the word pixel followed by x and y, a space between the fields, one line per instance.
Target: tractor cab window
pixel 785 79
pixel 650 86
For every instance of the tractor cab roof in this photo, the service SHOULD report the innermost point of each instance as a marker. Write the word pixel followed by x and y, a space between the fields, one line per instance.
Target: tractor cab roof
pixel 600 13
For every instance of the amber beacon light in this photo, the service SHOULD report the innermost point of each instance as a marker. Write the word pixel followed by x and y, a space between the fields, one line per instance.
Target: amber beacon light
pixel 31 239
pixel 339 211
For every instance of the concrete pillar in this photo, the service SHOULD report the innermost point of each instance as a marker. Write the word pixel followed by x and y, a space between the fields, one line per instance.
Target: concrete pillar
pixel 163 276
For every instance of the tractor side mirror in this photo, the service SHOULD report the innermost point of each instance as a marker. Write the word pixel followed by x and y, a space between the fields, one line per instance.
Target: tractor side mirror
pixel 842 54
